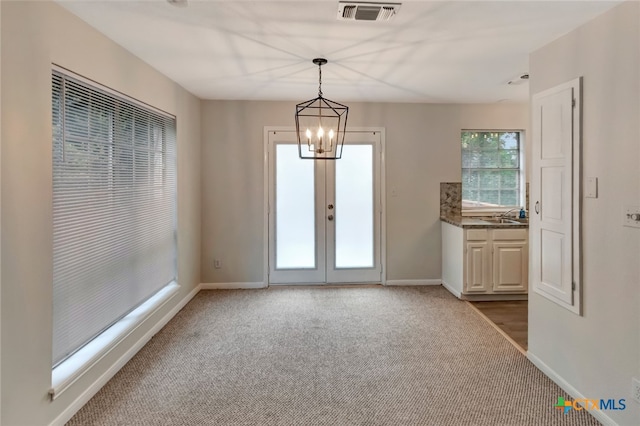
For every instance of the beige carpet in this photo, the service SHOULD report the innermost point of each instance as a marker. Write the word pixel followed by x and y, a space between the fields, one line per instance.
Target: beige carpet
pixel 328 356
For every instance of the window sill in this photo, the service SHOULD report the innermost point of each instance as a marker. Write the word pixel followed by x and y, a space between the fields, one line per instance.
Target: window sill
pixel 70 370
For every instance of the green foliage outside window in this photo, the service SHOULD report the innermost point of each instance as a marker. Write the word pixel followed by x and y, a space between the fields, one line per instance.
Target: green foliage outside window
pixel 490 169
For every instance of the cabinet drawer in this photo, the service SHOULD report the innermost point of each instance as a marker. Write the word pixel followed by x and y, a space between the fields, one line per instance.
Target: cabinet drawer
pixel 477 234
pixel 509 234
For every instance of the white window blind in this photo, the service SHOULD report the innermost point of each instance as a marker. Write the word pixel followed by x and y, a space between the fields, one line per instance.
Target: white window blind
pixel 114 209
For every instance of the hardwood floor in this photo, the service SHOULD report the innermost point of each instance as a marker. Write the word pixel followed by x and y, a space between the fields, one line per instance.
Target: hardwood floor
pixel 510 316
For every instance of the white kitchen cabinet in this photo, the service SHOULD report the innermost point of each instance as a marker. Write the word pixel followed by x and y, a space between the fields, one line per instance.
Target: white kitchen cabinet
pixel 485 263
pixel 510 264
pixel 477 256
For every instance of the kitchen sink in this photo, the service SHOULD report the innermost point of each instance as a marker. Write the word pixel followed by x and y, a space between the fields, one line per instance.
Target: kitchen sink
pixel 502 220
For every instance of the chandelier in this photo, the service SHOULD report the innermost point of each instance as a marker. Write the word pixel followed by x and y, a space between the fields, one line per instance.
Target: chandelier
pixel 320 124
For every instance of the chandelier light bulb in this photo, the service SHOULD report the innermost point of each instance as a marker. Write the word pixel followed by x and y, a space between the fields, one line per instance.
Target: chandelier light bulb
pixel 320 132
pixel 308 134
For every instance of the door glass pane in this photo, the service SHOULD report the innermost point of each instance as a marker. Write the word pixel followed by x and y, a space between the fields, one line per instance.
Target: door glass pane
pixel 295 210
pixel 354 207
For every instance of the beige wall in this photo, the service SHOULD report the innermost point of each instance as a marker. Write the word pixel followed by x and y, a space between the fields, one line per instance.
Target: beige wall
pixel 422 150
pixel 35 34
pixel 598 353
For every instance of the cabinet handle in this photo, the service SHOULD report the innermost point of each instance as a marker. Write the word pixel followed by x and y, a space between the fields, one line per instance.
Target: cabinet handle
pixel 537 207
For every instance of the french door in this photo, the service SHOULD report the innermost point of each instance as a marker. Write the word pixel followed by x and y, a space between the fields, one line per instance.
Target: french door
pixel 324 215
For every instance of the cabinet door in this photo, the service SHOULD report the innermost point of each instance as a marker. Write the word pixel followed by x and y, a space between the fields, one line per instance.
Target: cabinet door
pixel 477 267
pixel 510 266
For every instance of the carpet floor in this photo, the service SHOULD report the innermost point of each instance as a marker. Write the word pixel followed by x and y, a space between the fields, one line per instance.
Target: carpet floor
pixel 328 356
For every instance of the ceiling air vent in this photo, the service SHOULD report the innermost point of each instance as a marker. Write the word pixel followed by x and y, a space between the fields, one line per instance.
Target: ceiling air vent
pixel 178 3
pixel 520 79
pixel 360 11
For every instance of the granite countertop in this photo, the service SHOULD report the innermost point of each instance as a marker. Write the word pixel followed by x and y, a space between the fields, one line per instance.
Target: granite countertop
pixel 478 222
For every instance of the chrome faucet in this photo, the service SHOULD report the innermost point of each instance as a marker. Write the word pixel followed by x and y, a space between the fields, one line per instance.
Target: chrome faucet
pixel 506 214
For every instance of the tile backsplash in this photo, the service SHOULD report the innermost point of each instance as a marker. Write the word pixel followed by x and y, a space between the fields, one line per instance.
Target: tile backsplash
pixel 450 199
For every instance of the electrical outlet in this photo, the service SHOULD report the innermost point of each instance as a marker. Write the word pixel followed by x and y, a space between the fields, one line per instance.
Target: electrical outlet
pixel 217 264
pixel 635 389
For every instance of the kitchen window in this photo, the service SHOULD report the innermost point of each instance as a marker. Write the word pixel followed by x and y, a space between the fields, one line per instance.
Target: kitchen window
pixel 492 169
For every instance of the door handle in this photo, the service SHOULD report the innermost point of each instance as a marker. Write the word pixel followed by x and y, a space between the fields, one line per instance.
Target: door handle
pixel 537 207
pixel 330 217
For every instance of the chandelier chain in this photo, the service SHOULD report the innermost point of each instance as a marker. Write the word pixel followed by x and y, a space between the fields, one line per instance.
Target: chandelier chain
pixel 319 80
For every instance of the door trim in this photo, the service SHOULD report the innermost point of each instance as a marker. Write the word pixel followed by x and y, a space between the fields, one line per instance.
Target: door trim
pixel 265 198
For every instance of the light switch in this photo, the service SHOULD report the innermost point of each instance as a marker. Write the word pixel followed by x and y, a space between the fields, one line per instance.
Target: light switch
pixel 591 187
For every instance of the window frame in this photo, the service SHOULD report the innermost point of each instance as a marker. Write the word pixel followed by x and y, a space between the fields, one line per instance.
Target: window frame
pixel 468 210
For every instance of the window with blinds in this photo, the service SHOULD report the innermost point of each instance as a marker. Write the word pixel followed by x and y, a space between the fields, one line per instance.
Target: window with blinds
pixel 114 209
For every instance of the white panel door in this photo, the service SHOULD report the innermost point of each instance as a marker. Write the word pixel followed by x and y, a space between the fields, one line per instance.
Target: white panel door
pixel 324 216
pixel 554 224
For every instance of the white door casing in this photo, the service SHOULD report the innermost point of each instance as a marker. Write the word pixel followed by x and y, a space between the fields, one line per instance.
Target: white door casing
pixel 555 195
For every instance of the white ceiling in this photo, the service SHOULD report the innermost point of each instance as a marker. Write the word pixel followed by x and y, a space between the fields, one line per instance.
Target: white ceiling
pixel 432 51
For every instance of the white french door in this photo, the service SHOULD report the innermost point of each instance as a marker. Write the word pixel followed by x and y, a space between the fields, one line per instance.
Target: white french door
pixel 324 216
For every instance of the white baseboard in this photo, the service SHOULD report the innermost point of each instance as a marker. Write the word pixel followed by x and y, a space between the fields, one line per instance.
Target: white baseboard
pixel 452 290
pixel 228 286
pixel 568 388
pixel 412 282
pixel 76 405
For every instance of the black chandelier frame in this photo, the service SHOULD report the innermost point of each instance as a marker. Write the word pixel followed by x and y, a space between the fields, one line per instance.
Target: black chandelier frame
pixel 321 108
